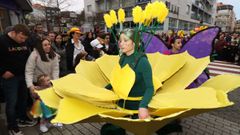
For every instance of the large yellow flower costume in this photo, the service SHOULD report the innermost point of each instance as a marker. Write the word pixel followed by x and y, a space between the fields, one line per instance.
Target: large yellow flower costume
pixel 81 97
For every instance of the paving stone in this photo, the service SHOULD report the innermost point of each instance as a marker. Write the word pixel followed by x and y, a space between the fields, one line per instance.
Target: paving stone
pixel 69 127
pixel 76 132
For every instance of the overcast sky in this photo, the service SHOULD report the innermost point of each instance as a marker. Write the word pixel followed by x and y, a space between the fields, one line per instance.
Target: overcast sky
pixel 76 5
pixel 71 5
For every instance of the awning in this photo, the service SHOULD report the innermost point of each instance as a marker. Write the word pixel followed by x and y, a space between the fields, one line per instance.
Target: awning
pixel 17 5
pixel 25 5
pixel 9 4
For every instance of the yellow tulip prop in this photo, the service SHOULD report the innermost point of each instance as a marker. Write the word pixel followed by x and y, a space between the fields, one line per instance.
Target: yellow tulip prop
pixel 164 12
pixel 108 21
pixel 149 12
pixel 137 13
pixel 83 97
pixel 121 15
pixel 156 9
pixel 113 17
pixel 143 17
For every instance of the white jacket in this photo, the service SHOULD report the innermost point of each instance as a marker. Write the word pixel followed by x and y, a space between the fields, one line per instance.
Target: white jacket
pixel 36 67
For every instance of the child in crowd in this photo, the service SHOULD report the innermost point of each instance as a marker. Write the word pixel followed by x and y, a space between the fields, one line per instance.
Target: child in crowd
pixel 39 109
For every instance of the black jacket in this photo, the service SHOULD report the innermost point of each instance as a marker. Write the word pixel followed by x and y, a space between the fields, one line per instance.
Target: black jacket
pixel 112 50
pixel 69 56
pixel 13 56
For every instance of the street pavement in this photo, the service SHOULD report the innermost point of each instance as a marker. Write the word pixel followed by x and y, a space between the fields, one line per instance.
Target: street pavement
pixel 224 121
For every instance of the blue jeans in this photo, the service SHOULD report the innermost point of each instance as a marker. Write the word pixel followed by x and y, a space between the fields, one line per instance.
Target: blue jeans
pixel 16 95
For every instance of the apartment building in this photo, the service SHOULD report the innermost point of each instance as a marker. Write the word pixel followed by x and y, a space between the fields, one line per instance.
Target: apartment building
pixel 183 14
pixel 225 17
pixel 237 26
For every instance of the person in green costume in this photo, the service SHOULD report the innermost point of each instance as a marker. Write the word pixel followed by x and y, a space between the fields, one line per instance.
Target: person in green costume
pixel 142 90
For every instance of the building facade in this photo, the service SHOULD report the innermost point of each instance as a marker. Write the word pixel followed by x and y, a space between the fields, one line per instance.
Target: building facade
pixel 183 14
pixel 225 17
pixel 91 12
pixel 53 18
pixel 237 26
pixel 13 11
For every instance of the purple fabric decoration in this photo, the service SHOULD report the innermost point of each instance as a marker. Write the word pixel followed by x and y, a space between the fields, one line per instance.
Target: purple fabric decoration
pixel 155 45
pixel 203 77
pixel 200 45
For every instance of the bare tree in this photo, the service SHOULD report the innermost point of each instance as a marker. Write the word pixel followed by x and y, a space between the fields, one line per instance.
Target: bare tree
pixel 38 15
pixel 61 4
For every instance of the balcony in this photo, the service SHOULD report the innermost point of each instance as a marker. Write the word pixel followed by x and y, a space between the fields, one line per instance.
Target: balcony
pixel 114 4
pixel 128 3
pixel 142 1
pixel 195 17
pixel 211 2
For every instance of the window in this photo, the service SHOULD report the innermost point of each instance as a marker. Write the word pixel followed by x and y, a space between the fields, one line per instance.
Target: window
pixel 188 9
pixel 168 4
pixel 143 1
pixel 172 23
pixel 172 9
pixel 192 26
pixel 89 8
pixel 181 25
pixel 128 12
pixel 89 19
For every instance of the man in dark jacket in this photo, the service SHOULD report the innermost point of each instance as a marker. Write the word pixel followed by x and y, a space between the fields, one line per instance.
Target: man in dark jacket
pixel 109 48
pixel 36 35
pixel 13 56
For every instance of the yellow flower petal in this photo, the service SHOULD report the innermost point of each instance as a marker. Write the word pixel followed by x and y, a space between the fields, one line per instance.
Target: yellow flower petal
pixel 219 82
pixel 91 71
pixel 106 63
pixel 143 17
pixel 108 21
pixel 185 99
pixel 121 15
pixel 156 9
pixel 120 84
pixel 113 16
pixel 78 86
pixel 136 13
pixel 149 11
pixel 186 75
pixel 71 111
pixel 49 97
pixel 162 68
pixel 164 12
